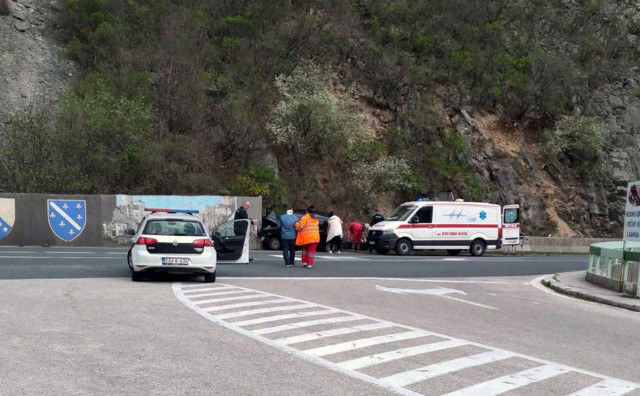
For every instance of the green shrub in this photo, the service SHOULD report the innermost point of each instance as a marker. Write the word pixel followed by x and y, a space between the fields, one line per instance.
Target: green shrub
pixel 580 140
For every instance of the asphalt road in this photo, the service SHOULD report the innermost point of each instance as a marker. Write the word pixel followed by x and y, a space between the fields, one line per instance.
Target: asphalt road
pixel 72 323
pixel 47 263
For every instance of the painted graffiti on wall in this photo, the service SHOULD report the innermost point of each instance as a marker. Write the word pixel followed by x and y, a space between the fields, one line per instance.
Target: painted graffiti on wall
pixel 67 217
pixel 131 209
pixel 7 216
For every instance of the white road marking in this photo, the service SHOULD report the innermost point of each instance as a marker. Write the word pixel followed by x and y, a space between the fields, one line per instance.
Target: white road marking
pixel 332 333
pixel 222 293
pixel 511 381
pixel 362 278
pixel 454 259
pixel 66 216
pixel 247 304
pixel 435 292
pixel 325 257
pixel 379 358
pixel 233 315
pixel 72 252
pixel 59 257
pixel 608 387
pixel 283 317
pixel 215 300
pixel 365 342
pixel 442 368
pixel 204 287
pixel 309 323
pixel 469 302
pixel 394 383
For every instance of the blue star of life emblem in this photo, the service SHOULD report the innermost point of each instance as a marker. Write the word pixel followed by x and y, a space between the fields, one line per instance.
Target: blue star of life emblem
pixel 482 215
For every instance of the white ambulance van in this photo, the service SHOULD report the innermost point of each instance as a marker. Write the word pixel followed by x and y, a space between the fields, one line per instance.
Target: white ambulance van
pixel 443 225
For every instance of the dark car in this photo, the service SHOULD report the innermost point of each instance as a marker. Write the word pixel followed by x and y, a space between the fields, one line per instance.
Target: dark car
pixel 270 231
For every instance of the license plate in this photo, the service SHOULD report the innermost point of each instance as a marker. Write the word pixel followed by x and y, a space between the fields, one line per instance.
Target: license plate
pixel 175 261
pixel 372 242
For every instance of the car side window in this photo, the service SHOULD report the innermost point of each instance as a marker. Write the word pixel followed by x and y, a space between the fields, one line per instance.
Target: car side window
pixel 426 215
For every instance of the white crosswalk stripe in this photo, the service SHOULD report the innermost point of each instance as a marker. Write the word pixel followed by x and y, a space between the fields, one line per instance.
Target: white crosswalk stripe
pixel 364 342
pixel 228 308
pixel 263 310
pixel 608 387
pixel 380 358
pixel 332 333
pixel 511 381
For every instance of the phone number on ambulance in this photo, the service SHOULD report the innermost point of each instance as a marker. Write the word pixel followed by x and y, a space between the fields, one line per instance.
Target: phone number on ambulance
pixel 454 233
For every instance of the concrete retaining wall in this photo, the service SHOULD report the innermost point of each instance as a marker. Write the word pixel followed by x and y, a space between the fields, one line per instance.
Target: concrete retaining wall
pixel 100 220
pixel 561 245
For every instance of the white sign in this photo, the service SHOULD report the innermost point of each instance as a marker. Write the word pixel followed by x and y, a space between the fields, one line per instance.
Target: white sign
pixel 632 213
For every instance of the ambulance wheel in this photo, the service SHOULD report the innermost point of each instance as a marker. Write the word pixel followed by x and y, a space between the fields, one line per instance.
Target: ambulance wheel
pixel 403 247
pixel 274 244
pixel 382 251
pixel 453 252
pixel 477 247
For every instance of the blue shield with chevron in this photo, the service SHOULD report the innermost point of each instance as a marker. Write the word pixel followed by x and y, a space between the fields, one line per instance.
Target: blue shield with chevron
pixel 7 216
pixel 67 217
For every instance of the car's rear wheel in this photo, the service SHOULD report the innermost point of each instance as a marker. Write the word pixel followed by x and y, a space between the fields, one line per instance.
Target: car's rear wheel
pixel 274 244
pixel 210 278
pixel 129 260
pixel 403 247
pixel 478 247
pixel 382 251
pixel 453 252
pixel 136 276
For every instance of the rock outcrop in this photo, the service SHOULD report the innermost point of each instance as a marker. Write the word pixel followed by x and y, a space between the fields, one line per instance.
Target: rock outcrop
pixel 33 70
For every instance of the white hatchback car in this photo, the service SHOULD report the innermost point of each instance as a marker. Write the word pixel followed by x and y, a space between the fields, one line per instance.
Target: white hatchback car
pixel 172 241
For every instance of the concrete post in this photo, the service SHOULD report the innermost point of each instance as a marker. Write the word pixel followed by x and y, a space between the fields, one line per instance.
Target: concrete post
pixel 4 7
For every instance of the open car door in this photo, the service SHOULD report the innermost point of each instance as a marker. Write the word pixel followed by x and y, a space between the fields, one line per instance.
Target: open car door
pixel 231 241
pixel 511 225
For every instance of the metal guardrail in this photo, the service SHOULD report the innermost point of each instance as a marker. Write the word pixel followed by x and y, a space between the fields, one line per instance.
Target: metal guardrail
pixel 608 260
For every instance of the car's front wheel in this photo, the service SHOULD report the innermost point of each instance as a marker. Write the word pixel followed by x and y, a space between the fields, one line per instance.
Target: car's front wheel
pixel 210 278
pixel 274 244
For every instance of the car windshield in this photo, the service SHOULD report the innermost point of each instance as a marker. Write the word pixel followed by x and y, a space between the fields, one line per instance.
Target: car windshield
pixel 402 213
pixel 176 227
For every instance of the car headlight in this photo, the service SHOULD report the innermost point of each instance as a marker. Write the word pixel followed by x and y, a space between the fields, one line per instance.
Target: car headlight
pixel 387 232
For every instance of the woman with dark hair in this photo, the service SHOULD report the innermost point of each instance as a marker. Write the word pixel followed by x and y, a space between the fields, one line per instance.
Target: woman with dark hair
pixel 308 236
pixel 334 233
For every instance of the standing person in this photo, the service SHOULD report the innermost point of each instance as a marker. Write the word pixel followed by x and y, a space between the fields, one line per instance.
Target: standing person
pixel 288 238
pixel 334 233
pixel 355 234
pixel 240 227
pixel 377 217
pixel 308 237
pixel 365 234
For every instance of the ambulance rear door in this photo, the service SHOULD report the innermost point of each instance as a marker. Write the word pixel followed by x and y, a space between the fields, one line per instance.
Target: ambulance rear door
pixel 511 225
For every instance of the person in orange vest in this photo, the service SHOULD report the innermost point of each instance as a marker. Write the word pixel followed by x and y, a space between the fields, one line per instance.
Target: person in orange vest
pixel 308 236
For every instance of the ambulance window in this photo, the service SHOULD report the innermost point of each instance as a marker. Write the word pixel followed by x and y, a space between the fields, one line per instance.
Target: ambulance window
pixel 510 215
pixel 426 214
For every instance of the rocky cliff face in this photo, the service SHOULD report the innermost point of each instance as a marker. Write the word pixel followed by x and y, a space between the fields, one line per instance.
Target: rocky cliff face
pixel 554 200
pixel 32 69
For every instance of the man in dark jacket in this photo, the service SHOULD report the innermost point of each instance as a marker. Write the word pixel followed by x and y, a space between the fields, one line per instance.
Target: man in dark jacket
pixel 377 217
pixel 240 227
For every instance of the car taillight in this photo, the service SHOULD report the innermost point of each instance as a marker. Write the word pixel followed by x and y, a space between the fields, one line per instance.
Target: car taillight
pixel 202 242
pixel 499 232
pixel 146 241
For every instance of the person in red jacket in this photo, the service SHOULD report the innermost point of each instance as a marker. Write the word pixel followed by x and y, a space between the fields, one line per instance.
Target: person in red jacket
pixel 355 234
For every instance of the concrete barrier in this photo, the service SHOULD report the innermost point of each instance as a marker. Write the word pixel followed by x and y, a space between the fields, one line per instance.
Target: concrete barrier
pixel 561 245
pixel 100 220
